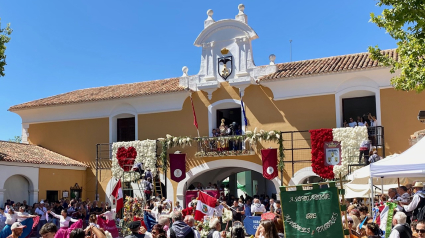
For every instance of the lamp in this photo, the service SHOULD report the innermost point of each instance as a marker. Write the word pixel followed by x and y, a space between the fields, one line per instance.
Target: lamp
pixel 421 116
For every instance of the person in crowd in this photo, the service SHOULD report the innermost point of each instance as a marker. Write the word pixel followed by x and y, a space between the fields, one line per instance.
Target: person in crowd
pixel 92 220
pixel 279 227
pixel 345 124
pixel 413 228
pixel 215 228
pixel 48 230
pixel 147 184
pixel 164 221
pixel 374 157
pixel 199 187
pixel 190 221
pixel 404 196
pixel 266 229
pixel 25 205
pixel 401 229
pixel 157 232
pixel 355 215
pixel 372 230
pixel 278 210
pixel 41 212
pixel 409 187
pixel 372 119
pixel 392 194
pixel 361 122
pixel 351 227
pixel 158 211
pixel 64 221
pixel 25 219
pixel 364 151
pixel 272 206
pixel 17 230
pixel 257 207
pixel 418 201
pixel 364 212
pixel 179 228
pixel 134 227
pixel 57 209
pixel 2 219
pixel 352 123
pixel 237 211
pixel 420 229
pixel 247 207
pixel 190 210
pixel 177 206
pixel 218 212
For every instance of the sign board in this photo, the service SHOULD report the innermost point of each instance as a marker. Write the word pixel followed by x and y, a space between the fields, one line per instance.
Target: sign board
pixel 332 153
pixel 251 224
pixel 311 213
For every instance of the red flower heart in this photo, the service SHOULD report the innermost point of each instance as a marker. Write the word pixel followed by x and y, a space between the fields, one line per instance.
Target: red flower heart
pixel 126 157
pixel 318 138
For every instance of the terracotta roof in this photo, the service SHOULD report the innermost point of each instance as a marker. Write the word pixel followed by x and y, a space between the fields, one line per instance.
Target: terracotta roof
pixel 26 153
pixel 106 93
pixel 326 65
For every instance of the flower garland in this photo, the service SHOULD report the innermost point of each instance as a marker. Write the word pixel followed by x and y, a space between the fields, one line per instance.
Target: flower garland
pixel 128 153
pixel 318 138
pixel 173 141
pixel 223 153
pixel 350 138
pixel 262 135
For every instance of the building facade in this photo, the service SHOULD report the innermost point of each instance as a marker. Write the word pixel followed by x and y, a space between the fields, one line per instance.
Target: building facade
pixel 288 97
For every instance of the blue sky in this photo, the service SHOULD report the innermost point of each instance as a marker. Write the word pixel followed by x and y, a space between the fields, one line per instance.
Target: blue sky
pixel 60 46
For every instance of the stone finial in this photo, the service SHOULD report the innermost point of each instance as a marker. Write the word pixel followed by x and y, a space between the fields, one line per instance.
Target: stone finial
pixel 209 20
pixel 185 69
pixel 241 15
pixel 272 58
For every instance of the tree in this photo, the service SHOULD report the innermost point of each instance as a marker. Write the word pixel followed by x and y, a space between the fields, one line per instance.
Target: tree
pixel 4 39
pixel 17 139
pixel 404 21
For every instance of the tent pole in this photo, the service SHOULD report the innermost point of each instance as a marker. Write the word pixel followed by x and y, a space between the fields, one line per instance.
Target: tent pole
pixel 398 182
pixel 372 202
pixel 382 186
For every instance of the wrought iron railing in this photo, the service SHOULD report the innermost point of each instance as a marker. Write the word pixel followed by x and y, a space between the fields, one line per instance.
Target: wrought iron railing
pixel 223 146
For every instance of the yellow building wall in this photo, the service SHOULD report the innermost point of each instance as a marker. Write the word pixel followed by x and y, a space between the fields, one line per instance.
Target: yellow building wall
pixel 77 140
pixel 59 180
pixel 399 111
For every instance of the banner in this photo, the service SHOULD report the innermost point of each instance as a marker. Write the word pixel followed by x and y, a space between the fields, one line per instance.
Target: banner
pixel 332 153
pixel 251 224
pixel 178 167
pixel 269 157
pixel 311 213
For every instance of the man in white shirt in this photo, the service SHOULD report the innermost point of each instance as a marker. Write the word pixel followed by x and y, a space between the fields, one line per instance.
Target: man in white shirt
pixel 41 212
pixel 401 228
pixel 352 123
pixel 418 200
pixel 190 221
pixel 257 207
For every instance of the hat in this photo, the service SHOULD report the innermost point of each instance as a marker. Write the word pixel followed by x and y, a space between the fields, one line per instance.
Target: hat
pixel 42 202
pixel 17 225
pixel 134 225
pixel 418 185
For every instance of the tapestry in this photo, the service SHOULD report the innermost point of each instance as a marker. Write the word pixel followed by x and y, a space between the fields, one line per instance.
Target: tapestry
pixel 311 213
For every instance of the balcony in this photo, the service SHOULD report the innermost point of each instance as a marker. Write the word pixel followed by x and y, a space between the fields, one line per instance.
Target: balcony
pixel 223 146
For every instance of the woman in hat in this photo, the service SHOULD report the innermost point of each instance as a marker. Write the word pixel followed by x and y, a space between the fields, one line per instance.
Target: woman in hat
pixel 64 220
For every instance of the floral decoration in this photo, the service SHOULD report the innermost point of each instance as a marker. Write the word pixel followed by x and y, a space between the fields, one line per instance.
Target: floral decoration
pixel 350 138
pixel 222 153
pixel 145 152
pixel 262 135
pixel 318 138
pixel 172 141
pixel 126 157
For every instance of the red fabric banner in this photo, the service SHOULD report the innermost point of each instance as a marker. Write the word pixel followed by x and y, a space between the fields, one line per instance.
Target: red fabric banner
pixel 178 167
pixel 269 157
pixel 195 122
pixel 318 139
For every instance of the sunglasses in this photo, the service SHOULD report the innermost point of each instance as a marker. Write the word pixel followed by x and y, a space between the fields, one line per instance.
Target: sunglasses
pixel 351 222
pixel 420 231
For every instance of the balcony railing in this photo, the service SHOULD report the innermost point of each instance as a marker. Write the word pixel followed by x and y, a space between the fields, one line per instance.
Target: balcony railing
pixel 223 146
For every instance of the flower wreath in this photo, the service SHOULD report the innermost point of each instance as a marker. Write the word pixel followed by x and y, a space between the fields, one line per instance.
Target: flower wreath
pixel 318 138
pixel 125 154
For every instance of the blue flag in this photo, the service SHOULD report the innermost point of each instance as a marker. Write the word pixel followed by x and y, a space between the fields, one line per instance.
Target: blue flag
pixel 243 110
pixel 149 220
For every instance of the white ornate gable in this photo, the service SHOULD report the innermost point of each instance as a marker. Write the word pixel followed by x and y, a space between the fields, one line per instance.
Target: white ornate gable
pixel 235 35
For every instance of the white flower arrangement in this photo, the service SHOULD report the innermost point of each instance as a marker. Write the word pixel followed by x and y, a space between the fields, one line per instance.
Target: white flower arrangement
pixel 173 141
pixel 350 138
pixel 146 154
pixel 262 135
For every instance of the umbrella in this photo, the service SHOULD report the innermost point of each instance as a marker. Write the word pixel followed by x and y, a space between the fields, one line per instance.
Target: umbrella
pixel 268 216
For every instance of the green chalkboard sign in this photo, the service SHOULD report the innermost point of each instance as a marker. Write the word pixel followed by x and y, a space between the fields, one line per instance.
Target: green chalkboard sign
pixel 311 213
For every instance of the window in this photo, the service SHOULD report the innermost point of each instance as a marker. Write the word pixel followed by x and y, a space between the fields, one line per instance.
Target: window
pixel 126 129
pixel 358 107
pixel 229 115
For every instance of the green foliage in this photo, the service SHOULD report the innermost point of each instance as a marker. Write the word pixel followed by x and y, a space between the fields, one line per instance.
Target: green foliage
pixel 404 21
pixel 16 139
pixel 281 164
pixel 4 39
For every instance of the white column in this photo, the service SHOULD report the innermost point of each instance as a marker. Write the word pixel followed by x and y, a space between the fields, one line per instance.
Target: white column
pixel 25 134
pixel 33 196
pixel 2 196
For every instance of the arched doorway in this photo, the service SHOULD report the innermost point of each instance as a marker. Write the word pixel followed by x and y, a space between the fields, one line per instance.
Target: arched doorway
pixel 218 170
pixel 17 189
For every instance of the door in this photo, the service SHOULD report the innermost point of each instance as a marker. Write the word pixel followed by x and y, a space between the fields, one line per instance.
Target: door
pixel 52 196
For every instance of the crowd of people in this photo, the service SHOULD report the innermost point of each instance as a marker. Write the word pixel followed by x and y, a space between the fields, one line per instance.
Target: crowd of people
pixel 66 215
pixel 408 217
pixel 365 120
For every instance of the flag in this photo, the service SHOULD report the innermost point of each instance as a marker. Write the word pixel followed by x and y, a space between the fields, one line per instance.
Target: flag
pixel 205 206
pixel 269 157
pixel 149 220
pixel 243 110
pixel 195 122
pixel 178 167
pixel 117 193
